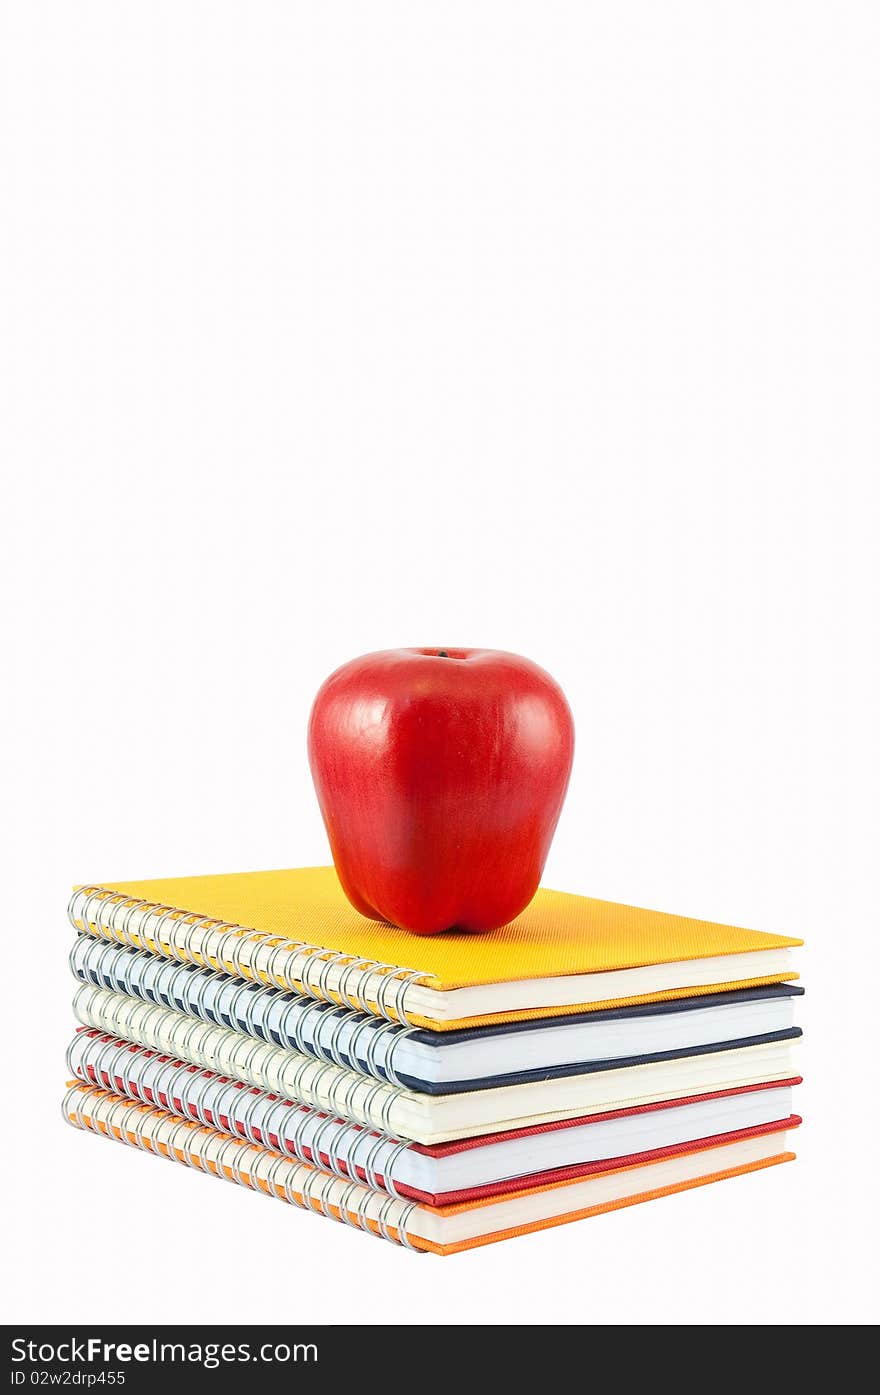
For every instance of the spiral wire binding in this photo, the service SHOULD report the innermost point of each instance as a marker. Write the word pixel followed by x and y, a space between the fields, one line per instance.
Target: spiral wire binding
pixel 322 1086
pixel 365 985
pixel 129 1121
pixel 142 1074
pixel 271 1014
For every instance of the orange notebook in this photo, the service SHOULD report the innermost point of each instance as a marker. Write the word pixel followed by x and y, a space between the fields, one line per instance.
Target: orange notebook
pixel 442 1230
pixel 563 954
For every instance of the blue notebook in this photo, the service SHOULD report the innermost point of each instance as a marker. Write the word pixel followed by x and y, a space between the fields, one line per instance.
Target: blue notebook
pixel 446 1062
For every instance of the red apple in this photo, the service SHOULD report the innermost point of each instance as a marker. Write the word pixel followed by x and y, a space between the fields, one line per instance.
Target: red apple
pixel 441 775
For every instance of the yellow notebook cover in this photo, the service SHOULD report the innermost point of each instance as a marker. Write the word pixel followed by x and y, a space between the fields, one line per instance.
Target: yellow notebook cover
pixel 564 954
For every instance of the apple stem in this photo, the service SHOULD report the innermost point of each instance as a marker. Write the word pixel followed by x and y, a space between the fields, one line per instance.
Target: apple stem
pixel 442 653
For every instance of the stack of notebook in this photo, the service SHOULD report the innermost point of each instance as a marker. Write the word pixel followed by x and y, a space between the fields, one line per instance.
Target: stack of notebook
pixel 441 1092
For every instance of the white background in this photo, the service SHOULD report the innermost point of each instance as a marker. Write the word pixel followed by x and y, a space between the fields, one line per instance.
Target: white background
pixel 544 326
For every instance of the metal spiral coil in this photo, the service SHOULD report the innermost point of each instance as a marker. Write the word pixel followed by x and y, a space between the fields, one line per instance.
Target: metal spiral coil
pixel 153 1131
pixel 224 1052
pixel 364 985
pixel 301 1079
pixel 181 1086
pixel 345 1037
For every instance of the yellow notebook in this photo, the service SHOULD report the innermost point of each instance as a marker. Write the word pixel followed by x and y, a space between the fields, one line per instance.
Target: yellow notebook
pixel 565 954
